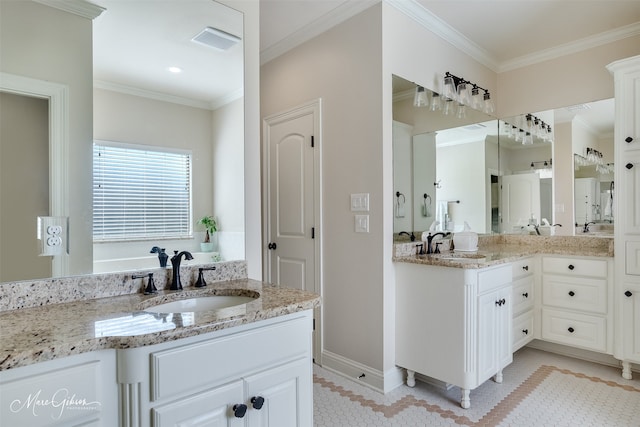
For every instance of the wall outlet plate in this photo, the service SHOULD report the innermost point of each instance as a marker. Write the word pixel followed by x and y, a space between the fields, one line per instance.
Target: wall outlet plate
pixel 360 202
pixel 52 234
pixel 362 223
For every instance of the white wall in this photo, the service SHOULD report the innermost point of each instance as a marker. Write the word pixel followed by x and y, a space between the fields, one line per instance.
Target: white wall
pixel 59 51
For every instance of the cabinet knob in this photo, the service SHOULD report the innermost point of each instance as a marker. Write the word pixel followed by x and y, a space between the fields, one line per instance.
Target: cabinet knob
pixel 525 267
pixel 526 295
pixel 525 331
pixel 272 246
pixel 239 410
pixel 571 293
pixel 571 330
pixel 571 267
pixel 628 293
pixel 628 139
pixel 257 402
pixel 629 166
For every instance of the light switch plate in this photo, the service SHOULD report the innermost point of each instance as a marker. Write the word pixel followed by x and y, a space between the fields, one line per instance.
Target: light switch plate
pixel 360 202
pixel 52 235
pixel 362 223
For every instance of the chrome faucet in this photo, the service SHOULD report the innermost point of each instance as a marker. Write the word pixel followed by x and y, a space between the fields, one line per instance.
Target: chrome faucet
pixel 175 263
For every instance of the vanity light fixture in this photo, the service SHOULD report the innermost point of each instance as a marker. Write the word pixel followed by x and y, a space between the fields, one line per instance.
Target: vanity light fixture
pixel 542 164
pixel 526 128
pixel 215 38
pixel 467 93
pixel 420 97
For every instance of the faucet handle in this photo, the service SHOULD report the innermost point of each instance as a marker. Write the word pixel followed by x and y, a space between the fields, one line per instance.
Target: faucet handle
pixel 151 287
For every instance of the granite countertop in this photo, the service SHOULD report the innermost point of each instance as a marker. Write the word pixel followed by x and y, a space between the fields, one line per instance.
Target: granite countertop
pixel 38 334
pixel 501 250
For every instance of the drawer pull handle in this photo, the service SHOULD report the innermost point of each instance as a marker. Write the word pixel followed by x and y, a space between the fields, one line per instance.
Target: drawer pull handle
pixel 571 267
pixel 525 268
pixel 239 410
pixel 501 302
pixel 629 166
pixel 526 295
pixel 571 330
pixel 628 293
pixel 257 402
pixel 571 293
pixel 525 331
pixel 628 139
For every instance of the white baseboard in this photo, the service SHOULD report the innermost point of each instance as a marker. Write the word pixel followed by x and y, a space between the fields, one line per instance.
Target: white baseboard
pixel 362 374
pixel 589 356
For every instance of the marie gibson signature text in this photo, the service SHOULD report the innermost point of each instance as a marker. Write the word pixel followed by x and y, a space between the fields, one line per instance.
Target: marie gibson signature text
pixel 61 400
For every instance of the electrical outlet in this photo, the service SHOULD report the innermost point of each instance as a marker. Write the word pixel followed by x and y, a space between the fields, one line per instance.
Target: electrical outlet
pixel 52 235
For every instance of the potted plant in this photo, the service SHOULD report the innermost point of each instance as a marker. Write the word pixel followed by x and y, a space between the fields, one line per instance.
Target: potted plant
pixel 211 227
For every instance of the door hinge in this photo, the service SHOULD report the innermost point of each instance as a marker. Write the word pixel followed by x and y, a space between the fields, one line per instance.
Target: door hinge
pixel 314 324
pixel 312 141
pixel 313 232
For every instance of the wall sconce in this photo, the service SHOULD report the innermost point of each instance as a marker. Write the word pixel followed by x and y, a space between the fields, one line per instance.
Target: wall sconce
pixel 542 164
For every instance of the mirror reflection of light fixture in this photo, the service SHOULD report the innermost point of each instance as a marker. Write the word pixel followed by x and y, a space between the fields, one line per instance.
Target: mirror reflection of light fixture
pixel 542 164
pixel 527 127
pixel 436 102
pixel 420 97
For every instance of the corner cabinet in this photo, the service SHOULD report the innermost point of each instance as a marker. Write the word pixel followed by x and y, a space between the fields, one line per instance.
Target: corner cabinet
pixel 253 375
pixel 627 212
pixel 453 324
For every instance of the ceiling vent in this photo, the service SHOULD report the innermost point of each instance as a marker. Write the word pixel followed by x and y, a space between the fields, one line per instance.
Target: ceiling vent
pixel 578 107
pixel 217 39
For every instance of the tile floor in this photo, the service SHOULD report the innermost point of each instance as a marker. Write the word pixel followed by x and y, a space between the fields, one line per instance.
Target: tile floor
pixel 540 389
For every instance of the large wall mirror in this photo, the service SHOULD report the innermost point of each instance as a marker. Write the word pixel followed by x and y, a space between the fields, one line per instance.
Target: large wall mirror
pixel 136 100
pixel 446 166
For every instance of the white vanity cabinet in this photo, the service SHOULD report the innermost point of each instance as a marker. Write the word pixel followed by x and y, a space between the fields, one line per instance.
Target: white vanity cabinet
pixel 577 302
pixel 253 375
pixel 453 324
pixel 522 295
pixel 626 74
pixel 78 390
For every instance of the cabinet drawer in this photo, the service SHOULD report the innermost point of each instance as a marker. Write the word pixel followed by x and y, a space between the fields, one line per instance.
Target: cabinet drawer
pixel 202 365
pixel 579 330
pixel 493 278
pixel 522 331
pixel 523 268
pixel 522 294
pixel 576 293
pixel 575 266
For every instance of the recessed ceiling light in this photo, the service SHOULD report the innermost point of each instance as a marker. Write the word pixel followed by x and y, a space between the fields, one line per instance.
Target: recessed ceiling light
pixel 175 70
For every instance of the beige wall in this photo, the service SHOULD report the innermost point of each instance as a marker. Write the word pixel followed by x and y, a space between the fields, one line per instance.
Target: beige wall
pixel 343 67
pixel 24 185
pixel 47 44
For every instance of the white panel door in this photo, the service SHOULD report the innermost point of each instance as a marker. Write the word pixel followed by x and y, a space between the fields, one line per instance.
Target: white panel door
pixel 291 202
pixel 520 200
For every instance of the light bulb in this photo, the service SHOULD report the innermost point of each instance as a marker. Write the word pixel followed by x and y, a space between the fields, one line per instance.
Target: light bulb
pixel 420 97
pixel 449 91
pixel 489 108
pixel 476 99
pixel 463 93
pixel 435 102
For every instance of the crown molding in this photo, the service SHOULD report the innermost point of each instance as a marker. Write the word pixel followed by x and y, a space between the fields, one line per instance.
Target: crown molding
pixel 431 22
pixel 158 96
pixel 572 47
pixel 336 16
pixel 77 7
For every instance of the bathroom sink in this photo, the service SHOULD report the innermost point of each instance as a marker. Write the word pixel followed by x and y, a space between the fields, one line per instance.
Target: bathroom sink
pixel 200 304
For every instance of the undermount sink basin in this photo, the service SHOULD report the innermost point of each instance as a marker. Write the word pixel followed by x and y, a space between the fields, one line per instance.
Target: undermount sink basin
pixel 200 304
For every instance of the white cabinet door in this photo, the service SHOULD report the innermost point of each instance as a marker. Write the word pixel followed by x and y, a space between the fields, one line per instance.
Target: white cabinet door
pixel 629 201
pixel 213 408
pixel 280 397
pixel 494 332
pixel 631 321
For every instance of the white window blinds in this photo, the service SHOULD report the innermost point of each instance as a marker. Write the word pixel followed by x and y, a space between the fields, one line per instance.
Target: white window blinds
pixel 140 192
